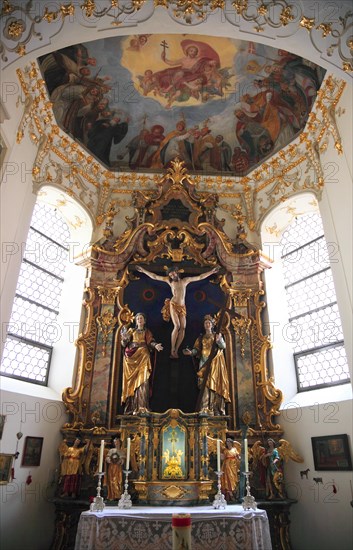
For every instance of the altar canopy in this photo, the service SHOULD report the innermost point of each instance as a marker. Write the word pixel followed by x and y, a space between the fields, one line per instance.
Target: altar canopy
pixel 230 529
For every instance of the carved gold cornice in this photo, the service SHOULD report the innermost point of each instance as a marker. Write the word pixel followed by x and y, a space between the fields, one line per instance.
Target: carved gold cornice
pixel 63 163
pixel 329 27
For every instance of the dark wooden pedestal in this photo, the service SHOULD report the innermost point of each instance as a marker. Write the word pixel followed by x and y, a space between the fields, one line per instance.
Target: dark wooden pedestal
pixel 278 515
pixel 67 515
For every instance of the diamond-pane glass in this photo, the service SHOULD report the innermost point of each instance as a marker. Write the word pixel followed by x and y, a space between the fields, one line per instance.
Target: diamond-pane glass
pixel 306 261
pixel 45 253
pixel 33 328
pixel 311 293
pixel 31 321
pixel 316 329
pixel 50 222
pixel 25 361
pixel 326 366
pixel 303 230
pixel 39 286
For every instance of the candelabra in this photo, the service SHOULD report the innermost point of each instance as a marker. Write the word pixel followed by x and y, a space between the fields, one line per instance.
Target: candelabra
pixel 248 500
pixel 125 501
pixel 219 500
pixel 98 501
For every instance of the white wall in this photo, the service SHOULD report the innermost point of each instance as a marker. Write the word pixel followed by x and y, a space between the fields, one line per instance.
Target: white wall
pixel 321 520
pixel 27 516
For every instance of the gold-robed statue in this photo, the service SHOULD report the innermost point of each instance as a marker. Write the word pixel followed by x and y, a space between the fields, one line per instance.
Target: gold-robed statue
pixel 138 343
pixel 114 461
pixel 231 456
pixel 72 457
pixel 230 468
pixel 216 392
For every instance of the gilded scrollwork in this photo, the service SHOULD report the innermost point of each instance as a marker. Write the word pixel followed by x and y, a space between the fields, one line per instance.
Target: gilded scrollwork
pixel 106 323
pixel 241 328
pixel 328 29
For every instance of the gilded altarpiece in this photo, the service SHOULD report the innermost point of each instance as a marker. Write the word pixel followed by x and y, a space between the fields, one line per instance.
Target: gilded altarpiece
pixel 173 225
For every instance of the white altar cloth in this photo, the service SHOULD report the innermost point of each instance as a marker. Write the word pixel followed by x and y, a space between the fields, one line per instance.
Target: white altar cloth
pixel 150 528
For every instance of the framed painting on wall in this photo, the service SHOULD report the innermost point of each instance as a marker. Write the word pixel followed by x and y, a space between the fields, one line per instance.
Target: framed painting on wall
pixel 5 468
pixel 331 452
pixel 2 424
pixel 3 149
pixel 32 451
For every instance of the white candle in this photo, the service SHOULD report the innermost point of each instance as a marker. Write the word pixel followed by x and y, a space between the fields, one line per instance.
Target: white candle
pixel 128 453
pixel 218 455
pixel 246 455
pixel 101 456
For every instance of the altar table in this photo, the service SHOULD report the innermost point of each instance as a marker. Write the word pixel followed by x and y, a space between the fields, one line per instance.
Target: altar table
pixel 142 528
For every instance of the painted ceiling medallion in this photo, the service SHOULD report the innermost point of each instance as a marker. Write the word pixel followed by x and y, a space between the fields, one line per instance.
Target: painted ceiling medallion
pixel 223 106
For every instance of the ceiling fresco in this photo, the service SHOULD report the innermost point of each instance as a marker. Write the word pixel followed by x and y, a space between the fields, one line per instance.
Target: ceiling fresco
pixel 223 106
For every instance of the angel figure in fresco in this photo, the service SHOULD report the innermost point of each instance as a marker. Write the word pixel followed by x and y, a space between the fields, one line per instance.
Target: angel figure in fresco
pixel 269 461
pixel 114 462
pixel 216 392
pixel 137 366
pixel 174 308
pixel 72 457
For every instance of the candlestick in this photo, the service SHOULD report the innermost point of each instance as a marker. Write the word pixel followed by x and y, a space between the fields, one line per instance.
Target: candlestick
pixel 218 455
pixel 125 500
pixel 98 501
pixel 219 500
pixel 246 455
pixel 101 455
pixel 128 453
pixel 248 500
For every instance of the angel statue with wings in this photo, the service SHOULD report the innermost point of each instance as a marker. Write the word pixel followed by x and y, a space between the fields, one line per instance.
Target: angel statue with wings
pixel 230 454
pixel 269 461
pixel 72 458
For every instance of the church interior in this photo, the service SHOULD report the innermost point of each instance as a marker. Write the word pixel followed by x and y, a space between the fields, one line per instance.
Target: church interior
pixel 176 273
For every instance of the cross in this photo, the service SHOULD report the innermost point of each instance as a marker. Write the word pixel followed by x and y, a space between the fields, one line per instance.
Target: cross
pixel 173 439
pixel 164 46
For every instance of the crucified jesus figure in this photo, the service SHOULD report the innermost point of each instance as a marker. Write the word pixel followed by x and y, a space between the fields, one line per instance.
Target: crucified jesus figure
pixel 177 302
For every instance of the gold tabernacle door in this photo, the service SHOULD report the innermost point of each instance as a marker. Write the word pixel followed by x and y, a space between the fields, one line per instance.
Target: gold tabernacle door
pixel 170 456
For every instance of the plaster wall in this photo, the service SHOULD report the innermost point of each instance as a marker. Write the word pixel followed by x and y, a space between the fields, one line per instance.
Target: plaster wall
pixel 27 514
pixel 321 519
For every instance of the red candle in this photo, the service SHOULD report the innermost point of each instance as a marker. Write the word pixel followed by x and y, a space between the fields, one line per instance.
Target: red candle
pixel 181 528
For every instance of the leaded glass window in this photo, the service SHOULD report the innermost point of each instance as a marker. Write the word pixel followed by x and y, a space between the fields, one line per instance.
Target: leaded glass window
pixel 33 327
pixel 314 324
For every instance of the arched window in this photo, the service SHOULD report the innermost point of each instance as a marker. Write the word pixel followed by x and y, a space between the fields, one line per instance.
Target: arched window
pixel 32 327
pixel 314 320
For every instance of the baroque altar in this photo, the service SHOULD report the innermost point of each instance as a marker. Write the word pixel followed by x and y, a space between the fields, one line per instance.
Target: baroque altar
pixel 173 459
